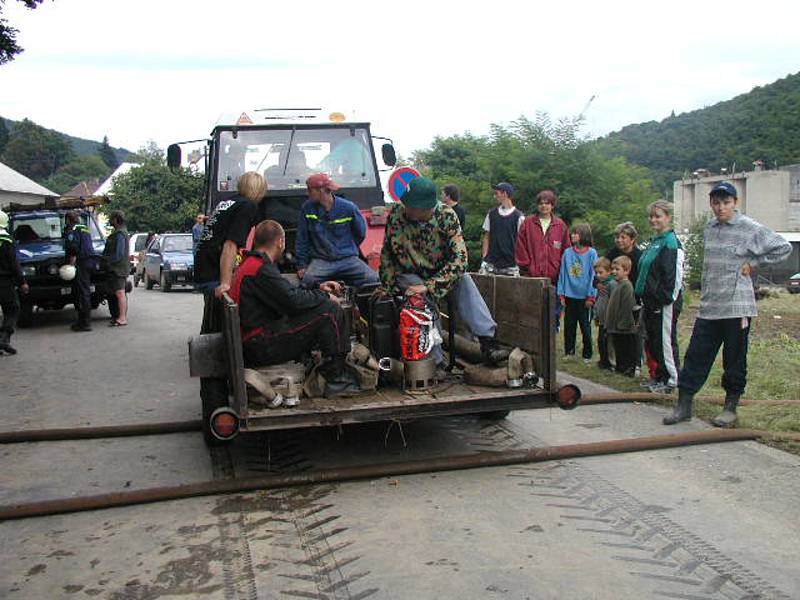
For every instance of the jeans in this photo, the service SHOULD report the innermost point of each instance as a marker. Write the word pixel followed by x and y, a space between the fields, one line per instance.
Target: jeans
pixel 469 304
pixel 352 270
pixel 707 336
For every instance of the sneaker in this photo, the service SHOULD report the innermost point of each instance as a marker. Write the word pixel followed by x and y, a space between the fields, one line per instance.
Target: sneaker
pixel 8 348
pixel 587 361
pixel 606 366
pixel 648 383
pixel 661 388
pixel 80 327
pixel 568 357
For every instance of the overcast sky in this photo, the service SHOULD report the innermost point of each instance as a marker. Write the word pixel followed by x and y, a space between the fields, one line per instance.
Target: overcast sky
pixel 166 69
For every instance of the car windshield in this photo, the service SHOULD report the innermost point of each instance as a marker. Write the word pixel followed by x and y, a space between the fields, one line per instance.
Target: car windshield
pixel 46 227
pixel 287 158
pixel 177 243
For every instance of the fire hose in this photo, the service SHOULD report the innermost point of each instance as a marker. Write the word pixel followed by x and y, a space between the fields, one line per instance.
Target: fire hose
pixel 341 474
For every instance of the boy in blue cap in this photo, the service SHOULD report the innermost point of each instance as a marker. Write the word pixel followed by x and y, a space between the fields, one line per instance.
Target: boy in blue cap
pixel 734 246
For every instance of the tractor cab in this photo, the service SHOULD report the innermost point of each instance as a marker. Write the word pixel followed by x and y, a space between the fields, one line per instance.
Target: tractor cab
pixel 289 145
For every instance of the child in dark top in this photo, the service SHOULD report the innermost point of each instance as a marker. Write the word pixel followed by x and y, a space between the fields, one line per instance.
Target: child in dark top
pixel 605 284
pixel 576 289
pixel 620 323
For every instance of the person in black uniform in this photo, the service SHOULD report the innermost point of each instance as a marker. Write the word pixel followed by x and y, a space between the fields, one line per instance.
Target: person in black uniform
pixel 10 276
pixel 281 321
pixel 80 253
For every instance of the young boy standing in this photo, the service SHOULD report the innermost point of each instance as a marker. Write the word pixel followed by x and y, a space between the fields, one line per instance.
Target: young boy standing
pixel 620 324
pixel 734 246
pixel 605 287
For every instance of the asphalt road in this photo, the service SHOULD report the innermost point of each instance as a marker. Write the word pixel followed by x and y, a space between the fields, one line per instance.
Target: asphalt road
pixel 706 522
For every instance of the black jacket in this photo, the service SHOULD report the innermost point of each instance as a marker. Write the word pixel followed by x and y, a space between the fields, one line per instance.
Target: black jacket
pixel 267 298
pixel 9 265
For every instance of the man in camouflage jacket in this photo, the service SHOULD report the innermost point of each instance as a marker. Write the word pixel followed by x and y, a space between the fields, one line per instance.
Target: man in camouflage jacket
pixel 424 253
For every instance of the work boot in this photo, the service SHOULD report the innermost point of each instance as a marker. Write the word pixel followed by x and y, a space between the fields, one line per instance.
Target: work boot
pixel 682 410
pixel 80 327
pixel 5 343
pixel 728 415
pixel 492 353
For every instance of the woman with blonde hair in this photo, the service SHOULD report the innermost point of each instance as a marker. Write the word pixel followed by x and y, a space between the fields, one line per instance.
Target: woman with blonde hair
pixel 659 286
pixel 226 231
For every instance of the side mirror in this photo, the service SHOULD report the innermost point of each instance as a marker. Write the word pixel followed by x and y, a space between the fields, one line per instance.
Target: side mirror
pixel 388 154
pixel 174 157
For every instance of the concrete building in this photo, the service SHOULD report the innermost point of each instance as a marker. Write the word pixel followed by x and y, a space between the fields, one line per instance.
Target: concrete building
pixel 771 197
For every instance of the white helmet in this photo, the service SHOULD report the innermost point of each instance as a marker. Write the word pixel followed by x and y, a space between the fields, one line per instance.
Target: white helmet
pixel 66 272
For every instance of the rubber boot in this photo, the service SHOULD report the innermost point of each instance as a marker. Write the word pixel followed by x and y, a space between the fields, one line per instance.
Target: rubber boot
pixel 728 415
pixel 492 353
pixel 682 410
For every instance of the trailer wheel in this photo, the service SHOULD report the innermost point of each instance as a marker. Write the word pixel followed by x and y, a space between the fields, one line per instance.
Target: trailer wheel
pixel 213 394
pixel 495 415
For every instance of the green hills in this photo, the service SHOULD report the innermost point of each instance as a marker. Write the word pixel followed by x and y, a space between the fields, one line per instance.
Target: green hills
pixel 763 124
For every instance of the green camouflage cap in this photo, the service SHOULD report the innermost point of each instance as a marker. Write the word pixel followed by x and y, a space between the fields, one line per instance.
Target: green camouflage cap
pixel 421 194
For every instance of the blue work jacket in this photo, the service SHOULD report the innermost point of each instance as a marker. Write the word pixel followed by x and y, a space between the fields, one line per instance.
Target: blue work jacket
pixel 329 235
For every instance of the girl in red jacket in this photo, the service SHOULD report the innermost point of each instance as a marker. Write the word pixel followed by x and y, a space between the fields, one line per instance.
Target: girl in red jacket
pixel 542 241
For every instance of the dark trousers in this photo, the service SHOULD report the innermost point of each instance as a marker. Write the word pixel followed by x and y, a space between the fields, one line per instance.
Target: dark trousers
pixel 82 293
pixel 321 328
pixel 9 303
pixel 625 349
pixel 212 313
pixel 576 314
pixel 603 342
pixel 662 342
pixel 707 336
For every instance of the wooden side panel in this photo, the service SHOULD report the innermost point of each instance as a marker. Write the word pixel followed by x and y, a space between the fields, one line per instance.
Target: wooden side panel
pixel 520 305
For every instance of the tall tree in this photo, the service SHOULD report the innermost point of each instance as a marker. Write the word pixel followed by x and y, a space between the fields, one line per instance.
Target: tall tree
pixel 3 135
pixel 156 198
pixel 532 155
pixel 81 168
pixel 8 35
pixel 36 152
pixel 108 155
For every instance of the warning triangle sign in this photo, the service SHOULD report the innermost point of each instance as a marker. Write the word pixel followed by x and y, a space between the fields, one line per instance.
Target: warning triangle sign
pixel 244 120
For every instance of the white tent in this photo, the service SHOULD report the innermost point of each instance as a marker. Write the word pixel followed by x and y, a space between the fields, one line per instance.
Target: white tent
pixel 107 187
pixel 16 188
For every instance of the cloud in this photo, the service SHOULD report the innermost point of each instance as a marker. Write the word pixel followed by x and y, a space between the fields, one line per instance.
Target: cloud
pixel 166 70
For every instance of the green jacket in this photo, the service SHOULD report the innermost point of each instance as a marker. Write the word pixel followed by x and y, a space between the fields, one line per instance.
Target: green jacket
pixel 116 251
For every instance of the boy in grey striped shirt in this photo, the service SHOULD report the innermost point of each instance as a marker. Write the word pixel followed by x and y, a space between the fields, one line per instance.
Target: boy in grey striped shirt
pixel 734 246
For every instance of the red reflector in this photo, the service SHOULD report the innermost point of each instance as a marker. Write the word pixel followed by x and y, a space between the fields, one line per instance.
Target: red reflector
pixel 568 396
pixel 225 424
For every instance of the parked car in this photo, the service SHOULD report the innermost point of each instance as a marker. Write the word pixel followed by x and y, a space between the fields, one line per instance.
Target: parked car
pixel 793 285
pixel 169 261
pixel 136 245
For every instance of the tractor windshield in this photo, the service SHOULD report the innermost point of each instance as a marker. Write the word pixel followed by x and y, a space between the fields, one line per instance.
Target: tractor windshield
pixel 287 157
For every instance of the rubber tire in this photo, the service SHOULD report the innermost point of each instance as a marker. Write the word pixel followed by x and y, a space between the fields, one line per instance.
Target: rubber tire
pixel 162 283
pixel 496 415
pixel 148 283
pixel 25 315
pixel 213 395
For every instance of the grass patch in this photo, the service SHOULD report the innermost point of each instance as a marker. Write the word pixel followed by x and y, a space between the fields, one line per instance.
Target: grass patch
pixel 773 365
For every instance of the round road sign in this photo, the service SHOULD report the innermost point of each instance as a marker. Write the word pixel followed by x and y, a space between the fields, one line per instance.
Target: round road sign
pixel 399 180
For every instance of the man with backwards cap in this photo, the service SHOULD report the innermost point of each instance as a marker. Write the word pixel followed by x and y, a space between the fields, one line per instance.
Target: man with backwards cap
pixel 329 232
pixel 424 253
pixel 11 276
pixel 734 246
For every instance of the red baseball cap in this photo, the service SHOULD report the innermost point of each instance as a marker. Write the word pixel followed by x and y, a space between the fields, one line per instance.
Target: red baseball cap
pixel 322 180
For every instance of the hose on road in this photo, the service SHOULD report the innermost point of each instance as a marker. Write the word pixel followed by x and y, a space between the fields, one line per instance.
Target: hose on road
pixel 88 433
pixel 430 465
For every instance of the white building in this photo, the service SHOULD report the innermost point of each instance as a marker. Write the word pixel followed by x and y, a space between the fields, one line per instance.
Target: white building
pixel 18 189
pixel 107 187
pixel 771 197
